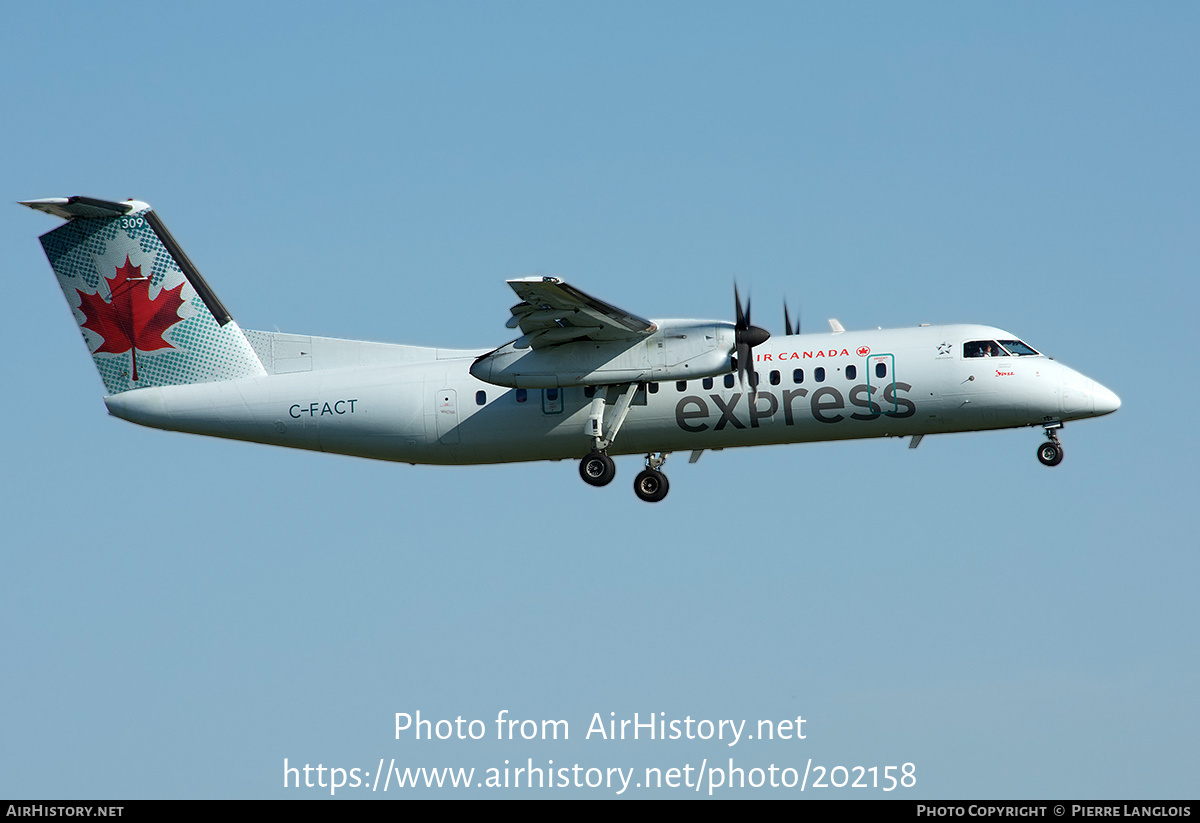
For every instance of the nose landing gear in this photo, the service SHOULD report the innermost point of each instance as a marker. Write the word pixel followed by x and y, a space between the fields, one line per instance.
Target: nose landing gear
pixel 1050 453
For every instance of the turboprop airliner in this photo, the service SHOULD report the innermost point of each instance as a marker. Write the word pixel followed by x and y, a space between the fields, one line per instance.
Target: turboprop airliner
pixel 582 380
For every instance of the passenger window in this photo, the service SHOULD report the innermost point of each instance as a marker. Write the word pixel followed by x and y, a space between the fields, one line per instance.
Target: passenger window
pixel 480 398
pixel 729 381
pixel 654 388
pixel 551 394
pixel 851 372
pixel 681 385
pixel 881 369
pixel 774 378
pixel 819 374
pixel 589 392
pixel 708 383
pixel 798 376
pixel 521 395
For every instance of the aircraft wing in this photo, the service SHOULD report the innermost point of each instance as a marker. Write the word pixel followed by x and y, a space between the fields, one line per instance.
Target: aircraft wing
pixel 551 313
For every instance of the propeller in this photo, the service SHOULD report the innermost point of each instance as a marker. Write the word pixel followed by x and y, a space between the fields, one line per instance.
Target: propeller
pixel 787 322
pixel 747 337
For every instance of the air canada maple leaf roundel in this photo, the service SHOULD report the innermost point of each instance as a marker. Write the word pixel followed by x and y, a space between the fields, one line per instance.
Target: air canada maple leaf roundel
pixel 130 319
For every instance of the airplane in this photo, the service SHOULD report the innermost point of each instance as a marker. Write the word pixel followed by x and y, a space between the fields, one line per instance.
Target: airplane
pixel 583 380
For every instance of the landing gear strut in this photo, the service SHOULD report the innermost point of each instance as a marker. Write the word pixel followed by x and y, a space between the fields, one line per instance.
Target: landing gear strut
pixel 597 469
pixel 651 484
pixel 1051 452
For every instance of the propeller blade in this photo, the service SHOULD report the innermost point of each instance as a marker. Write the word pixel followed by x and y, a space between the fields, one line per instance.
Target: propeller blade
pixel 747 336
pixel 787 320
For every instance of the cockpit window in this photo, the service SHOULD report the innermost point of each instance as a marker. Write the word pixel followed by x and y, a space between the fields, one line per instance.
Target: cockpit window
pixel 1017 347
pixel 983 348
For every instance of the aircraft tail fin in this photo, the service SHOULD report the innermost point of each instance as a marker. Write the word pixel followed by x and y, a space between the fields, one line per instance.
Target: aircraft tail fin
pixel 146 314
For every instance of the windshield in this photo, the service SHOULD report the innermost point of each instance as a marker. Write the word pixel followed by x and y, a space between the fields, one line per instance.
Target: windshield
pixel 1017 347
pixel 983 348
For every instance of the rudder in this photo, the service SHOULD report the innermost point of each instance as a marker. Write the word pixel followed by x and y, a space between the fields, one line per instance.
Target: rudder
pixel 146 314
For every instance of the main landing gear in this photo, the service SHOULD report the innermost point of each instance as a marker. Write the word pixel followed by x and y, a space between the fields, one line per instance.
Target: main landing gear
pixel 598 469
pixel 1051 452
pixel 651 484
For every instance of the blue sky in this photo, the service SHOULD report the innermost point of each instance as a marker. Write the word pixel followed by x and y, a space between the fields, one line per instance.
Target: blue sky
pixel 180 614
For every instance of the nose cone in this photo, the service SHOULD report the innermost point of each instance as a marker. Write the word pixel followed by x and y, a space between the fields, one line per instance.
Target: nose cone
pixel 1105 401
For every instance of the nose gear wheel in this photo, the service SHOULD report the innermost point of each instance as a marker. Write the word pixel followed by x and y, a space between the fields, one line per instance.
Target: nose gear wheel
pixel 1050 453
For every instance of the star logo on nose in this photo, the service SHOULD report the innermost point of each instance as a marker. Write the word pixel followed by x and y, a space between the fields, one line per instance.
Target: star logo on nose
pixel 943 349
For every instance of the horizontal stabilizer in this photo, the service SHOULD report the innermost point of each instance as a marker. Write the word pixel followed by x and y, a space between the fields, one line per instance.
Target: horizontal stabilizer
pixel 68 208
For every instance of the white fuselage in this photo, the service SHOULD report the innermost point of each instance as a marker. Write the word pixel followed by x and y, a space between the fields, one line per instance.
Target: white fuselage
pixel 419 405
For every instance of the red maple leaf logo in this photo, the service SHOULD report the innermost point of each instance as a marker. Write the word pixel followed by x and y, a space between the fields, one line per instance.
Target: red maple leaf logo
pixel 130 320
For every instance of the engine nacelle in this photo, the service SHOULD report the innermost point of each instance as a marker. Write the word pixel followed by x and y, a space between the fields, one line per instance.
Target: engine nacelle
pixel 677 350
